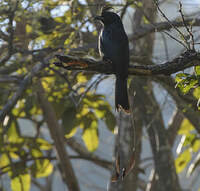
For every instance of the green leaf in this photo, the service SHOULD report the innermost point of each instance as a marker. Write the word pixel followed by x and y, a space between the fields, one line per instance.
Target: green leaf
pixel 189 139
pixel 93 101
pixel 197 70
pixel 13 135
pixel 43 144
pixel 36 153
pixel 196 145
pixel 185 82
pixel 110 120
pixel 182 160
pixel 60 19
pixel 4 161
pixel 29 28
pixel 100 113
pixel 68 15
pixel 81 78
pixel 69 121
pixel 180 76
pixel 186 127
pixel 21 182
pixel 42 168
pixel 196 92
pixel 90 136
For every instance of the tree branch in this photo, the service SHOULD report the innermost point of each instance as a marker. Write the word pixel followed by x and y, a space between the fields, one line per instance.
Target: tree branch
pixel 87 155
pixel 185 60
pixel 22 87
pixel 174 126
pixel 57 136
pixel 10 79
pixel 159 27
pixel 182 103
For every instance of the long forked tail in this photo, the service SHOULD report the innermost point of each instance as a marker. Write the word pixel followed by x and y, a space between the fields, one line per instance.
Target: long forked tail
pixel 121 95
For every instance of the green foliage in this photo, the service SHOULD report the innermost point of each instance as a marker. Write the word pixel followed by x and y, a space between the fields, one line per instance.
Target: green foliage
pixel 186 82
pixel 21 182
pixel 190 145
pixel 190 83
pixel 41 168
pixel 186 127
pixel 92 109
pixel 38 25
pixel 18 157
pixel 90 136
pixel 182 160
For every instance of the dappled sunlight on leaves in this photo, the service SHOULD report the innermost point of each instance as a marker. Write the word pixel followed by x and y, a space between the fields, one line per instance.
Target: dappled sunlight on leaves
pixel 40 31
pixel 190 146
pixel 90 136
pixel 182 161
pixel 21 182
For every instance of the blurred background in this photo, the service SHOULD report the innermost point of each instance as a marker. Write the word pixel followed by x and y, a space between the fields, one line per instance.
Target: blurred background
pixel 59 129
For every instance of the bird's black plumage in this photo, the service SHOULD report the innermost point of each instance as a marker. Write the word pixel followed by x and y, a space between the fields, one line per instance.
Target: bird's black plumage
pixel 114 46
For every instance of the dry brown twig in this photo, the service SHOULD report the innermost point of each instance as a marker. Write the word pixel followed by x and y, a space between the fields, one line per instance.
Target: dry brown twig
pixel 189 30
pixel 187 46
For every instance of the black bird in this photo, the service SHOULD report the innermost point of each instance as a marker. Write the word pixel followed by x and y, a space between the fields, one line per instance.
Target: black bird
pixel 114 47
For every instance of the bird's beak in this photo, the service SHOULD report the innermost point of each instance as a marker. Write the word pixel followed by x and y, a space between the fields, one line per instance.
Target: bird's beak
pixel 98 18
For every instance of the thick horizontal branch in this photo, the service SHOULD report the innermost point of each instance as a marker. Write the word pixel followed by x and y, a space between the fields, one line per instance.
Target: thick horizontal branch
pixel 185 60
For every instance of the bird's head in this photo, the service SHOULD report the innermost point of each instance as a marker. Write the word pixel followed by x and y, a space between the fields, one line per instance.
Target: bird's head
pixel 107 17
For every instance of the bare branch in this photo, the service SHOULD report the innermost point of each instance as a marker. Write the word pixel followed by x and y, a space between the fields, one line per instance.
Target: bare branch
pixel 87 155
pixel 189 30
pixel 174 126
pixel 159 27
pixel 173 26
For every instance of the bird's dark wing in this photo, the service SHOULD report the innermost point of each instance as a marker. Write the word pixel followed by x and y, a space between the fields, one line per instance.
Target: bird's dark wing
pixel 115 47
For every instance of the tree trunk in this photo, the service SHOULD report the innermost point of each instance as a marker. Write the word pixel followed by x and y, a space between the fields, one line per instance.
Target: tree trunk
pixel 145 102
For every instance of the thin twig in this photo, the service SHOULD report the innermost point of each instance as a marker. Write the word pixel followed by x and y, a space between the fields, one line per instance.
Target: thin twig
pixel 65 77
pixel 89 88
pixel 156 28
pixel 159 27
pixel 172 25
pixel 189 30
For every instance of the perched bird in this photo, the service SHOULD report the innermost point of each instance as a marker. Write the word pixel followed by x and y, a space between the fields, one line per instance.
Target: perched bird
pixel 114 47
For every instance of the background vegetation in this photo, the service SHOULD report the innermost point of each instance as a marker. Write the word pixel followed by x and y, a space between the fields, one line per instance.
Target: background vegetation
pixel 51 118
